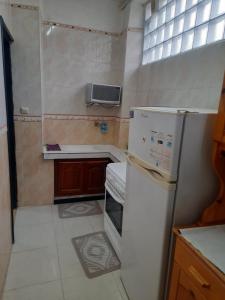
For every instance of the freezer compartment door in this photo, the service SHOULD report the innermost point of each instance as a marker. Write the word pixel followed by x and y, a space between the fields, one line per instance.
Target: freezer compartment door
pixel 147 223
pixel 155 138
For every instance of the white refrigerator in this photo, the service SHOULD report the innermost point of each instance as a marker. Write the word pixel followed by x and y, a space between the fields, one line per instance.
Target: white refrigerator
pixel 169 182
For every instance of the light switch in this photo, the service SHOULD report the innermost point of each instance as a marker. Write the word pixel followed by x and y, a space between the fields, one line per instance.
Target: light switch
pixel 24 110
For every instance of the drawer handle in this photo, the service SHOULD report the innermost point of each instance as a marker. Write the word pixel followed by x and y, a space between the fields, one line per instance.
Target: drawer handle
pixel 198 277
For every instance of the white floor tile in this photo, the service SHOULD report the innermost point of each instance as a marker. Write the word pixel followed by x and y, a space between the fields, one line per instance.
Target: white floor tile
pixel 47 291
pixel 44 260
pixel 69 262
pixel 97 222
pixel 61 236
pixel 77 226
pixel 102 204
pixel 100 288
pixel 116 276
pixel 55 214
pixel 33 215
pixel 66 229
pixel 34 236
pixel 32 267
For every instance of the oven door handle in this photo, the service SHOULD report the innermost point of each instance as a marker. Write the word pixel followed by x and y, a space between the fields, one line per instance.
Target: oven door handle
pixel 113 193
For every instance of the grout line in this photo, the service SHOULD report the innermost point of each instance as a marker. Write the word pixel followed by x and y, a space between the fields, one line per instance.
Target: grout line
pixel 120 287
pixel 32 225
pixel 60 269
pixel 30 250
pixel 28 286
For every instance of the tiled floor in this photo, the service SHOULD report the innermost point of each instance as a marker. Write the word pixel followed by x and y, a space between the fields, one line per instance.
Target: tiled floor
pixel 44 264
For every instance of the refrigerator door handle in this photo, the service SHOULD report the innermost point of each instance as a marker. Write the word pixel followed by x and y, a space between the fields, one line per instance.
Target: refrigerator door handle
pixel 153 174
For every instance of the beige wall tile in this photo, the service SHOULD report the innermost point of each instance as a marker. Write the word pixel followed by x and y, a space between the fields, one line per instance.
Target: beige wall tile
pixel 5 213
pixel 74 132
pixel 84 132
pixel 35 175
pixel 121 133
pixel 5 201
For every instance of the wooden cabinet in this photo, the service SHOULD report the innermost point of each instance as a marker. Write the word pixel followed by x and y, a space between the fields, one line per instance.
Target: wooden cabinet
pixel 215 213
pixel 94 177
pixel 193 276
pixel 69 178
pixel 80 177
pixel 184 288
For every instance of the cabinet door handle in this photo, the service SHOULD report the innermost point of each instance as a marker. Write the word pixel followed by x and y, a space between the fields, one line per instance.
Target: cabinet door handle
pixel 198 277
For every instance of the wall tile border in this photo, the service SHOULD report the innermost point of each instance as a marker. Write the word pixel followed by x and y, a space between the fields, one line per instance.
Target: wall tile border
pixel 23 6
pixel 79 28
pixel 75 27
pixel 85 117
pixel 122 120
pixel 87 29
pixel 27 118
pixel 78 117
pixel 66 117
pixel 132 30
pixel 135 29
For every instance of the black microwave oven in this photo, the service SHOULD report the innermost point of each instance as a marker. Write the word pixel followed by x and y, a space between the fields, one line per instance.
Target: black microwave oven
pixel 103 94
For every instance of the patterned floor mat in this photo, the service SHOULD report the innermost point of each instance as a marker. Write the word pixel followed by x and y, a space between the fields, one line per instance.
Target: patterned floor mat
pixel 79 209
pixel 96 254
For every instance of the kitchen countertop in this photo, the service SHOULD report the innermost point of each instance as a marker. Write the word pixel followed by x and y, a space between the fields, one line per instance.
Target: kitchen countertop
pixel 86 151
pixel 210 241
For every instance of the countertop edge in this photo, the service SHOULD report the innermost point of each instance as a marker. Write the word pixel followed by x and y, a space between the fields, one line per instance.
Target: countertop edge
pixel 115 157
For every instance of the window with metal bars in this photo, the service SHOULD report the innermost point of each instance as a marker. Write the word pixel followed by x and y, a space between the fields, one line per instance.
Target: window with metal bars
pixel 177 26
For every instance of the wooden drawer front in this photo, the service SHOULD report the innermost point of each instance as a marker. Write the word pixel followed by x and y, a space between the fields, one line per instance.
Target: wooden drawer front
pixel 186 289
pixel 203 277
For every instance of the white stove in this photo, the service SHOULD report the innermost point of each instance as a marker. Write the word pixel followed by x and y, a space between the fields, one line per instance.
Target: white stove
pixel 116 176
pixel 114 200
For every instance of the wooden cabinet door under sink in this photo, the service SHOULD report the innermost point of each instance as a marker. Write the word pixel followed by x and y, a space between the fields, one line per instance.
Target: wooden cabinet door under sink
pixel 79 177
pixel 94 176
pixel 69 178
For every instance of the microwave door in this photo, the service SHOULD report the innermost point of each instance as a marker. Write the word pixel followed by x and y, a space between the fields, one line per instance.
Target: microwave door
pixel 103 94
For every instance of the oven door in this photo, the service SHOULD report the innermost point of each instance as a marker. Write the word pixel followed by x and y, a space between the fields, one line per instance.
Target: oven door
pixel 114 207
